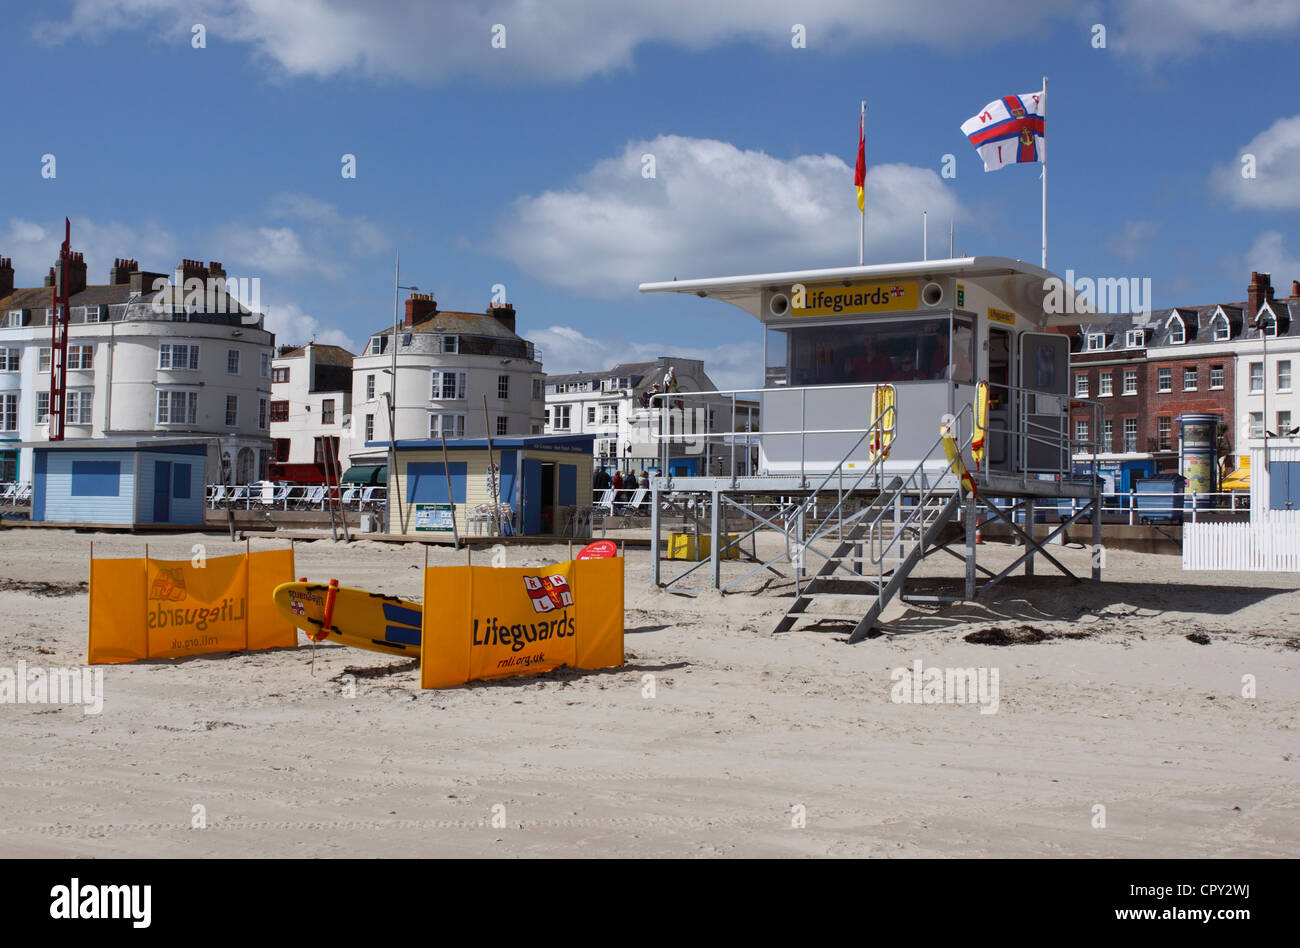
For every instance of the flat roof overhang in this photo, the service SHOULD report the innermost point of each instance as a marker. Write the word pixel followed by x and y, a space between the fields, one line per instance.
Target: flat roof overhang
pixel 1020 283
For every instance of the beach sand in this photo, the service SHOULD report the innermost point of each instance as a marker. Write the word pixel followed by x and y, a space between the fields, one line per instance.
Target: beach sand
pixel 751 745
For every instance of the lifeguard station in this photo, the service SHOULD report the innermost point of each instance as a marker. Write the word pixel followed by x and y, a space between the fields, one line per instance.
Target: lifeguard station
pixel 904 406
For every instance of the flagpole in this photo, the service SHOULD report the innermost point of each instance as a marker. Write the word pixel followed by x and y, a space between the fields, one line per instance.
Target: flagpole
pixel 1044 172
pixel 862 233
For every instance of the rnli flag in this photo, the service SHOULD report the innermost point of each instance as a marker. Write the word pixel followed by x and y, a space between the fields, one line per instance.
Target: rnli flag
pixel 548 592
pixel 860 173
pixel 1009 130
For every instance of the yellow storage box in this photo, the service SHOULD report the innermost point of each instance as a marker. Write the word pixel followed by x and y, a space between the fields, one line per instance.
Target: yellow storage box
pixel 683 546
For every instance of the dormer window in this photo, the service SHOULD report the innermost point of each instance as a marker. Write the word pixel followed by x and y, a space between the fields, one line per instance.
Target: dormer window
pixel 1268 324
pixel 1095 342
pixel 378 344
pixel 450 345
pixel 1133 339
pixel 1177 331
pixel 1222 331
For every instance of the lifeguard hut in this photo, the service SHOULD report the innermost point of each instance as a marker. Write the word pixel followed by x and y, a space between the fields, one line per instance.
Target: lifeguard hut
pixel 885 387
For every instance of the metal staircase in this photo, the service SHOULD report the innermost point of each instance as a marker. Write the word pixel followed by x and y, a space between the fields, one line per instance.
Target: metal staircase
pixel 880 548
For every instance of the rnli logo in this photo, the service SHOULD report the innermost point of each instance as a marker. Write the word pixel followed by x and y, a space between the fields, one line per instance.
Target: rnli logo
pixel 1026 137
pixel 896 291
pixel 298 608
pixel 168 585
pixel 548 593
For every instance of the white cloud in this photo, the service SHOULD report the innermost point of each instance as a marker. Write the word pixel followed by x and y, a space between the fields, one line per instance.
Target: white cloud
pixel 294 327
pixel 1276 184
pixel 714 209
pixel 1161 29
pixel 1133 242
pixel 1269 254
pixel 34 247
pixel 317 245
pixel 557 40
pixel 565 349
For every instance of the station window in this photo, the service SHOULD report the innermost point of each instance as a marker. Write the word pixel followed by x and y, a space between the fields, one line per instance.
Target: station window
pixel 904 350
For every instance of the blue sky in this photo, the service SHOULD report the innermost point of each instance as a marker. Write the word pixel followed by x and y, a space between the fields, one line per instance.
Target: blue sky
pixel 522 165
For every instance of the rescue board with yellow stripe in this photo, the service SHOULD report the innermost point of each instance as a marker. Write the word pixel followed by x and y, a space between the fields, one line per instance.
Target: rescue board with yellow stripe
pixel 360 619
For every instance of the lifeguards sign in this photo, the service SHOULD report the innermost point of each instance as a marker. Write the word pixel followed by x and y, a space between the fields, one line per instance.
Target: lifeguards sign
pixel 147 608
pixel 855 298
pixel 489 622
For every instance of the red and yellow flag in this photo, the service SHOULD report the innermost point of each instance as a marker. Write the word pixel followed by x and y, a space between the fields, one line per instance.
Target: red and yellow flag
pixel 860 173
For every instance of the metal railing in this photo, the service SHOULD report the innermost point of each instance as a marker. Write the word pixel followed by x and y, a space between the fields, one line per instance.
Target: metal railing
pixel 670 410
pixel 1136 507
pixel 1056 438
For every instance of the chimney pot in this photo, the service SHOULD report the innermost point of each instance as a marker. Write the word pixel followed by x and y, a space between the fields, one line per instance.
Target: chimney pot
pixel 6 277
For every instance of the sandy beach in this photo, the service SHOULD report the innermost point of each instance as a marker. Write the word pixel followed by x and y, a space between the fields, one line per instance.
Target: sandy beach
pixel 715 739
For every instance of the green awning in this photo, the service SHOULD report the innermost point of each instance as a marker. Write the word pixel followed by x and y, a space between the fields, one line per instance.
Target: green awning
pixel 366 474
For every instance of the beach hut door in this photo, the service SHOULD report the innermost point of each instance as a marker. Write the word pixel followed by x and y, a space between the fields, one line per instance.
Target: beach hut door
pixel 1045 402
pixel 530 514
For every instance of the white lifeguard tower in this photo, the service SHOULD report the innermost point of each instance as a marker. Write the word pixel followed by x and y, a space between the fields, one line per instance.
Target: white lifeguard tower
pixel 862 367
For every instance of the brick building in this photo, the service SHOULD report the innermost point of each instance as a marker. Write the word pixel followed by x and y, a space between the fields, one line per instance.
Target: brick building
pixel 1146 369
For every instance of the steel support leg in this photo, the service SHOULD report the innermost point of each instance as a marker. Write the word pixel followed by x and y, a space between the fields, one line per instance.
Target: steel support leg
pixel 971 520
pixel 654 538
pixel 715 543
pixel 1032 534
pixel 1096 537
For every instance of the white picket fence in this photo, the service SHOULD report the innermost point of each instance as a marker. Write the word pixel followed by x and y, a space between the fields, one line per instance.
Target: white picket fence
pixel 1269 543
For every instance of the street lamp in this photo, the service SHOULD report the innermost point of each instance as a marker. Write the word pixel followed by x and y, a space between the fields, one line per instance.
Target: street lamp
pixel 1261 322
pixel 392 399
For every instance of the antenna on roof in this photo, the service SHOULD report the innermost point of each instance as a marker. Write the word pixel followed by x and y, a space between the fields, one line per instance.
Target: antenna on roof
pixel 925 235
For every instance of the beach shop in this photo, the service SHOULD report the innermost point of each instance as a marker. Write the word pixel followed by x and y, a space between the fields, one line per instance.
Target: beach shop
pixel 884 386
pixel 121 482
pixel 532 486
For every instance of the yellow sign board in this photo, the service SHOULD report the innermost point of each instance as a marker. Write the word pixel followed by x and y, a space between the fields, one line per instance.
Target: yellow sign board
pixel 147 608
pixel 855 298
pixel 487 622
pixel 1002 316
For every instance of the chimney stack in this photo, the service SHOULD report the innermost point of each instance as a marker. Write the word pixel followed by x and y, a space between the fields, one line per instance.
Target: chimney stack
pixel 1295 289
pixel 75 280
pixel 217 272
pixel 1260 289
pixel 420 307
pixel 142 281
pixel 190 270
pixel 504 313
pixel 6 277
pixel 122 270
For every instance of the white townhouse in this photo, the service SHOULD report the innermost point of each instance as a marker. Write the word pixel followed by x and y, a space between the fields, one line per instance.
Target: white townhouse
pixel 448 362
pixel 142 363
pixel 311 403
pixel 1268 358
pixel 608 404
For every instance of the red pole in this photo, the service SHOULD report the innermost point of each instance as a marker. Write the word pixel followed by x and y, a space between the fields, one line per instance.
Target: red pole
pixel 59 343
